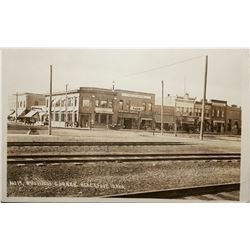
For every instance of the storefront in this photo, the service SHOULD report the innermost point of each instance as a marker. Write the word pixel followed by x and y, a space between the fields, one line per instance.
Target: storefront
pixel 128 120
pixel 103 117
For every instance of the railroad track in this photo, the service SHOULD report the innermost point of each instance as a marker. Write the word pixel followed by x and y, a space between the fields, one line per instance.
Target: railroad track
pixel 198 192
pixel 92 143
pixel 117 157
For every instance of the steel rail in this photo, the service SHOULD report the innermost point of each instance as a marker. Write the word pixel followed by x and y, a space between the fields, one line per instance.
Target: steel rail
pixel 93 143
pixel 119 158
pixel 176 193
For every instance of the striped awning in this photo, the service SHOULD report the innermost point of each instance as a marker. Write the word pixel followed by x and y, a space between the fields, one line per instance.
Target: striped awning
pixel 31 113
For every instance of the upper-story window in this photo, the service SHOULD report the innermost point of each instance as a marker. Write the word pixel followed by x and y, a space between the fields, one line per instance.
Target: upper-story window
pixel 58 103
pixel 144 106
pixel 121 104
pixel 104 104
pixel 127 106
pixel 76 101
pixel 36 103
pixel 218 113
pixel 213 112
pixel 21 104
pixel 222 113
pixel 110 104
pixel 97 103
pixel 150 106
pixel 24 104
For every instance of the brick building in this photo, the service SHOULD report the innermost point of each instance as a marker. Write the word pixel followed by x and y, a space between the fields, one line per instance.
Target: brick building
pixel 233 119
pixel 97 107
pixel 207 115
pixel 218 115
pixel 134 110
pixel 168 117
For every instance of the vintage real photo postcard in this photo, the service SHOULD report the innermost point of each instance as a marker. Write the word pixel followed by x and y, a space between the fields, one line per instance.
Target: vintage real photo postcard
pixel 124 125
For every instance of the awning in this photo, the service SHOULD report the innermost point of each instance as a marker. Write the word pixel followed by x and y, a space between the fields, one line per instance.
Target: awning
pixel 31 113
pixel 128 115
pixel 12 112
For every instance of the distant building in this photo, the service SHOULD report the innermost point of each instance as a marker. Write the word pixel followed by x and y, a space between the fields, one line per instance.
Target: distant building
pixel 23 102
pixel 218 115
pixel 233 119
pixel 168 117
pixel 207 115
pixel 184 112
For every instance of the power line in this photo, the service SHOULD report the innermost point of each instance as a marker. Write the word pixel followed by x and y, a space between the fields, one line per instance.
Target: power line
pixel 164 66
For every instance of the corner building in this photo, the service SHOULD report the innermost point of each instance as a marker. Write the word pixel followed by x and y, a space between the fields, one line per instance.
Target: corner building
pixel 96 107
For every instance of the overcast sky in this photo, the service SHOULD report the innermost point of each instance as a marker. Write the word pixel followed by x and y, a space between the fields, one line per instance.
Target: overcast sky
pixel 27 70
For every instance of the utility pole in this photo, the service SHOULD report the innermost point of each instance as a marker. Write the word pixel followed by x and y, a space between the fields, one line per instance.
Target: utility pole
pixel 162 103
pixel 175 118
pixel 50 99
pixel 66 105
pixel 16 105
pixel 204 101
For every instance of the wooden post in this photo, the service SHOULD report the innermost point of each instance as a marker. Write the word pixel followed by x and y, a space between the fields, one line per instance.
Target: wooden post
pixel 162 103
pixel 50 100
pixel 66 105
pixel 16 106
pixel 204 101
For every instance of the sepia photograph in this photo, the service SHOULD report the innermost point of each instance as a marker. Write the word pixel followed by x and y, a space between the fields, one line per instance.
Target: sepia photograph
pixel 118 125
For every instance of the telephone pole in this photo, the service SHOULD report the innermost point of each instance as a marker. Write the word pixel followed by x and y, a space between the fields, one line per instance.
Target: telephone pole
pixel 50 99
pixel 162 103
pixel 204 101
pixel 16 105
pixel 66 105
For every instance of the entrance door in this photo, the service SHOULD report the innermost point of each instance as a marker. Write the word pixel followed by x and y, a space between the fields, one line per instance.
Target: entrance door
pixel 85 121
pixel 128 123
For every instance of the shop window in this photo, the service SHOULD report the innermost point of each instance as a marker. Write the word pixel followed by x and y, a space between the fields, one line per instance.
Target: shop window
pixel 75 116
pixel 96 118
pixel 63 116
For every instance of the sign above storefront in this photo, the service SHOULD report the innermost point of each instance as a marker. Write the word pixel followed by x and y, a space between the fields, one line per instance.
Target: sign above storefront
pixel 104 110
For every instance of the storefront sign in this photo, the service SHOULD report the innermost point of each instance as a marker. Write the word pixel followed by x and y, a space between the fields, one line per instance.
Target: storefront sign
pixel 104 110
pixel 136 96
pixel 137 108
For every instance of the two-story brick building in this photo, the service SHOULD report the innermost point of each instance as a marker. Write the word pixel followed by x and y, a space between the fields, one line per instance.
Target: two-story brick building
pixel 233 119
pixel 218 115
pixel 98 107
pixel 207 115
